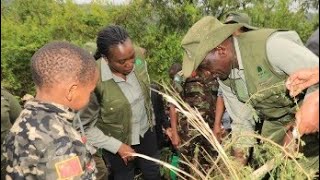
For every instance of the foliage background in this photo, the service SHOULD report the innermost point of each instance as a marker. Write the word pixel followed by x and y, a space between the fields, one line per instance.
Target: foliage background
pixel 157 25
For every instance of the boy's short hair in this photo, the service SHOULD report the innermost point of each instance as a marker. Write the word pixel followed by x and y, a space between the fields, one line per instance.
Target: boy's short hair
pixel 57 61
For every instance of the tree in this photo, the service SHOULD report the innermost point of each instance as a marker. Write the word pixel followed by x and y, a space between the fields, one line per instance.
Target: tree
pixel 158 26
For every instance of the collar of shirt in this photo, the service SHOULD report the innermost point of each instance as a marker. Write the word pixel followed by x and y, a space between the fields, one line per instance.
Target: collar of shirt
pixel 106 73
pixel 238 53
pixel 61 110
pixel 235 72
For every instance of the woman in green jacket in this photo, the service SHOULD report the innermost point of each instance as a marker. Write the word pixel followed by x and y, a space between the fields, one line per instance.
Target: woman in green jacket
pixel 120 111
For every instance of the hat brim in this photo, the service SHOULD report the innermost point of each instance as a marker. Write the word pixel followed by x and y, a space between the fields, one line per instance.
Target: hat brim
pixel 248 26
pixel 187 65
pixel 212 39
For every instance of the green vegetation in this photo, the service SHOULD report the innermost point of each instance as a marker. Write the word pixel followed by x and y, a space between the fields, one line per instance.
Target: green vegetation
pixel 158 26
pixel 269 160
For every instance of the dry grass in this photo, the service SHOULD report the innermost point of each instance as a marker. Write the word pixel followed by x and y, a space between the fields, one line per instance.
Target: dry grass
pixel 271 157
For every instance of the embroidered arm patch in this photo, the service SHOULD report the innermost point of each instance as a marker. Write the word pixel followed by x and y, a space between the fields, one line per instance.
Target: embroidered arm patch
pixel 69 168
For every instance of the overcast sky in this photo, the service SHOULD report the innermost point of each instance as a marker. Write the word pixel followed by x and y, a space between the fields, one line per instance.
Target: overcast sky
pixel 82 1
pixel 88 1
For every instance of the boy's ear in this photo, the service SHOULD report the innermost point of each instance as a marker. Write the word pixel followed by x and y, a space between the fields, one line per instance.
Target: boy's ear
pixel 71 92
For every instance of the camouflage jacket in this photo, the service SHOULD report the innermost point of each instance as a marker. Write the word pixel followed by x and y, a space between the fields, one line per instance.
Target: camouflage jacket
pixel 200 92
pixel 10 110
pixel 42 144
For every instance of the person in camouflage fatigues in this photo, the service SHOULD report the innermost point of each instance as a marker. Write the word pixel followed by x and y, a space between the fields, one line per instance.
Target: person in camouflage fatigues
pixel 41 137
pixel 10 110
pixel 199 92
pixel 42 144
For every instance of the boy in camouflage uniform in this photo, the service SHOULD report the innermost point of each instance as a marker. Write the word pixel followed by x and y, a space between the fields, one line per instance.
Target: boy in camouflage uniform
pixel 200 92
pixel 42 144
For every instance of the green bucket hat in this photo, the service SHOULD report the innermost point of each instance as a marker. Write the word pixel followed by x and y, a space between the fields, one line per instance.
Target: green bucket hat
pixel 91 47
pixel 237 17
pixel 201 38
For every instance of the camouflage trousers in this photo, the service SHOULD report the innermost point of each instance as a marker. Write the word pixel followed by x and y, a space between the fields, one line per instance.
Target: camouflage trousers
pixel 194 147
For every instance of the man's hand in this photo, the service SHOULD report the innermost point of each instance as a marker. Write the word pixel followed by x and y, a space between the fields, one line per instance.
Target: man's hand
pixel 125 153
pixel 301 80
pixel 168 132
pixel 175 140
pixel 307 118
pixel 217 131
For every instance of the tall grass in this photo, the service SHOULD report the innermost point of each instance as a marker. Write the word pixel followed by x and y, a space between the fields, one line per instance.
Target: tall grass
pixel 269 158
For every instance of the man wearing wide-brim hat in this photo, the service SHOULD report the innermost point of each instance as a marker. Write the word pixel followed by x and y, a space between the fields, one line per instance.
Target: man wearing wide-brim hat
pixel 251 68
pixel 222 116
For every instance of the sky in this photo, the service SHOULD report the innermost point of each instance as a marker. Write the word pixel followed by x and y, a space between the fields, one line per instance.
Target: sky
pixel 82 1
pixel 88 1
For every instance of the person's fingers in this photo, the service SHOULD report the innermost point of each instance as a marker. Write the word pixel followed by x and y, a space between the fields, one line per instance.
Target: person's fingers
pixel 300 126
pixel 217 134
pixel 176 146
pixel 295 91
pixel 177 143
pixel 296 84
pixel 313 130
pixel 169 134
pixel 292 80
pixel 125 160
pixel 297 88
pixel 130 158
pixel 289 84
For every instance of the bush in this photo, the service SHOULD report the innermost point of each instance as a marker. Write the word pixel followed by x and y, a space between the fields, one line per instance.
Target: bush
pixel 158 26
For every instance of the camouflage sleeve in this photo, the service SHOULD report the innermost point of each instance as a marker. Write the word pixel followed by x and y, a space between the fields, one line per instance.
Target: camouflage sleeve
pixel 15 107
pixel 22 162
pixel 41 147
